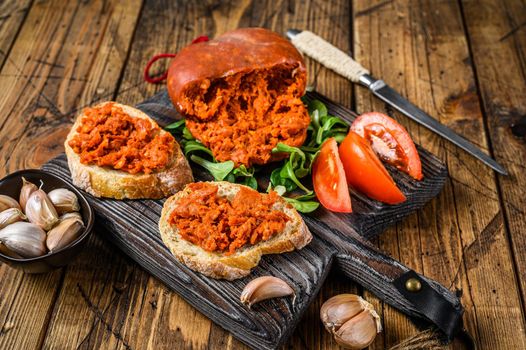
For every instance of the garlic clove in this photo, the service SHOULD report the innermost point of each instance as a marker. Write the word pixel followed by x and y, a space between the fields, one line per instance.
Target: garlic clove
pixel 351 319
pixel 27 189
pixel 73 214
pixel 263 288
pixel 64 200
pixel 63 234
pixel 10 216
pixel 339 309
pixel 358 332
pixel 4 250
pixel 7 202
pixel 40 210
pixel 24 238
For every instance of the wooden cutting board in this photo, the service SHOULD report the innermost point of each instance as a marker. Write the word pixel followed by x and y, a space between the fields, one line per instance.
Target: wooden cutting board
pixel 340 238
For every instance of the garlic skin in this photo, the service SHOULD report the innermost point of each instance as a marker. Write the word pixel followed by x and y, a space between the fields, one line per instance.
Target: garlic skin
pixel 40 210
pixel 4 250
pixel 7 202
pixel 64 200
pixel 339 309
pixel 25 239
pixel 73 214
pixel 27 189
pixel 352 320
pixel 357 333
pixel 63 234
pixel 10 216
pixel 265 287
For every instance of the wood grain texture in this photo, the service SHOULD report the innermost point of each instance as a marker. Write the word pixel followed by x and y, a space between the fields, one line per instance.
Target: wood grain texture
pixel 56 58
pixel 428 62
pixel 107 301
pixel 12 16
pixel 497 33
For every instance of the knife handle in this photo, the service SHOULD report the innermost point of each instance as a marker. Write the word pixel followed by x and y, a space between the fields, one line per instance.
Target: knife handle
pixel 415 295
pixel 327 54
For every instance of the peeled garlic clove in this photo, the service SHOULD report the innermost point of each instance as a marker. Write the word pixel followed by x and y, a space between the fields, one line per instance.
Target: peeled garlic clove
pixel 74 214
pixel 7 202
pixel 358 332
pixel 25 239
pixel 10 216
pixel 63 234
pixel 64 200
pixel 339 309
pixel 265 287
pixel 27 189
pixel 40 210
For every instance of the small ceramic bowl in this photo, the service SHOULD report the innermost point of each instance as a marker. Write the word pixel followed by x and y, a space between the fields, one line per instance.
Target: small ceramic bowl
pixel 11 185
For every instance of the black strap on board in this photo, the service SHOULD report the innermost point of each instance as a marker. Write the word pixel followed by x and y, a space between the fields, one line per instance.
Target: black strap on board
pixel 444 315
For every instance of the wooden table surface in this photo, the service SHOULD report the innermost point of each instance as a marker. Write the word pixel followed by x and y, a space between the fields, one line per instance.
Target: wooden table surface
pixel 462 61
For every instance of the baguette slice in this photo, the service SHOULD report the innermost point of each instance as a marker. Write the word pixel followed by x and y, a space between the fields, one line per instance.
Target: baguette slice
pixel 296 235
pixel 118 184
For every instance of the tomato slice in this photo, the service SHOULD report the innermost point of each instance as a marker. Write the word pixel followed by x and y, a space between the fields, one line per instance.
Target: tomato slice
pixel 365 172
pixel 328 178
pixel 390 141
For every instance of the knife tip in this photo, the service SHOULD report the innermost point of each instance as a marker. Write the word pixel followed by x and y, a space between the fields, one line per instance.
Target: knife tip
pixel 501 170
pixel 496 166
pixel 291 33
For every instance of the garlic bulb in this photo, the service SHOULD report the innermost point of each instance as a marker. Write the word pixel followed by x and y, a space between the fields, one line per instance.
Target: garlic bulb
pixel 40 210
pixel 63 234
pixel 352 320
pixel 7 202
pixel 10 216
pixel 27 189
pixel 25 239
pixel 73 214
pixel 265 287
pixel 64 200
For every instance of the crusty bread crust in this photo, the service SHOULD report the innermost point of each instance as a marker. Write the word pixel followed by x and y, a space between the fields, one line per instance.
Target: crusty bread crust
pixel 111 183
pixel 296 235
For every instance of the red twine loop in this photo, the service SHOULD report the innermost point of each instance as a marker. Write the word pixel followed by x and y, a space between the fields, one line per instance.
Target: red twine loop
pixel 200 39
pixel 162 77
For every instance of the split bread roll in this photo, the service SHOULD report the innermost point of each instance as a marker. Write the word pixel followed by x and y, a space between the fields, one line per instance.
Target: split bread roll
pixel 222 265
pixel 106 181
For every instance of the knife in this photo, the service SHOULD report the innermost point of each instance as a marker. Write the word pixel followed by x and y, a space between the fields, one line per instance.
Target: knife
pixel 343 64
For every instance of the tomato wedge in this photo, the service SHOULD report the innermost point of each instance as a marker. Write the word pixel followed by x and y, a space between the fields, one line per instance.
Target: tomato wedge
pixel 390 141
pixel 328 178
pixel 365 172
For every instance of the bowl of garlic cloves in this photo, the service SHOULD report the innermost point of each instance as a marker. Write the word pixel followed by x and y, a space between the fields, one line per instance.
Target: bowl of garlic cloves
pixel 44 221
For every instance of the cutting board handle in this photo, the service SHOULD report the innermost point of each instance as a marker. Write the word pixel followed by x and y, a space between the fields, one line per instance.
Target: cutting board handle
pixel 415 295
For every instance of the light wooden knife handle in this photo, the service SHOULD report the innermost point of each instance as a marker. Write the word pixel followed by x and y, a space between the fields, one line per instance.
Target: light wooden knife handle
pixel 329 55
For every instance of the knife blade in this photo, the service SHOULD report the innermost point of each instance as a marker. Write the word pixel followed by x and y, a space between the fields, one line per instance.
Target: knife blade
pixel 335 59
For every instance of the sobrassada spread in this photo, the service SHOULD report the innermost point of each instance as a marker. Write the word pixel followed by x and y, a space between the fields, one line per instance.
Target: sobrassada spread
pixel 240 94
pixel 217 224
pixel 108 137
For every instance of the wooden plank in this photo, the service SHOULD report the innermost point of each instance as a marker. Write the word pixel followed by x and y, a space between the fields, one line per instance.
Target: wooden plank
pixel 58 39
pixel 112 323
pixel 146 301
pixel 13 14
pixel 118 297
pixel 497 34
pixel 331 20
pixel 459 237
